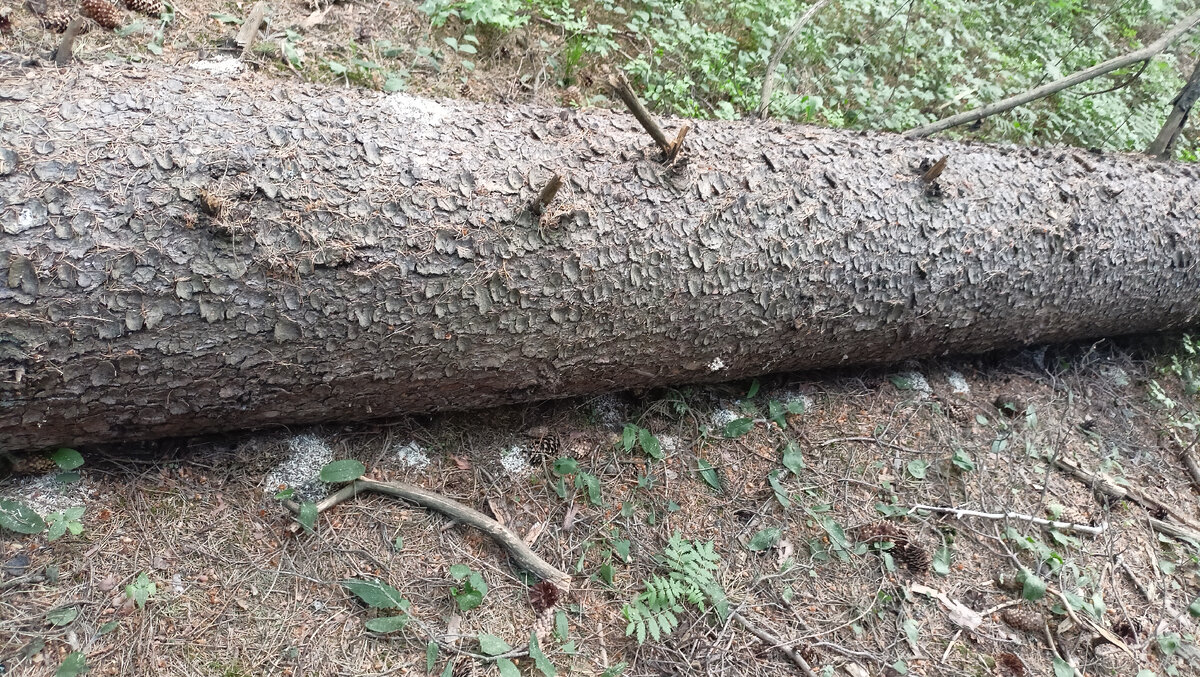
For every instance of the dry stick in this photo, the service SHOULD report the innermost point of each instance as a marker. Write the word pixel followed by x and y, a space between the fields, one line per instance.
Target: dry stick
pixel 621 86
pixel 768 86
pixel 775 642
pixel 1053 524
pixel 516 548
pixel 676 145
pixel 62 56
pixel 1180 109
pixel 546 195
pixel 1190 531
pixel 1058 85
pixel 249 31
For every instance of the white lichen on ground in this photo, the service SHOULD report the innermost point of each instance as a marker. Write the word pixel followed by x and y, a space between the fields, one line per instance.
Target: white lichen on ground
pixel 609 411
pixel 716 365
pixel 412 455
pixel 669 443
pixel 515 461
pixel 723 417
pixel 300 470
pixel 44 494
pixel 958 383
pixel 219 66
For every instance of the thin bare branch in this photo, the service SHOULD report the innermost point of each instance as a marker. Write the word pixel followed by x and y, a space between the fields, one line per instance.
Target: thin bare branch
pixel 768 86
pixel 1096 71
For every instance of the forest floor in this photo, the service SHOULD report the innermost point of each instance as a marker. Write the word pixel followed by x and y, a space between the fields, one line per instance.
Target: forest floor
pixel 813 521
pixel 805 485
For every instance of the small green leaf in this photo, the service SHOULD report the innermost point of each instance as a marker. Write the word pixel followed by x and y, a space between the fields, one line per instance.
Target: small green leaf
pixel 67 459
pixel 1194 608
pixel 459 571
pixel 917 468
pixel 284 494
pixel 962 460
pixel 560 626
pixel 629 436
pixel 431 654
pixel 1032 587
pixel 775 412
pixel 900 667
pixel 981 419
pixel 912 630
pixel 336 68
pixel 398 544
pixel 606 574
pixel 507 668
pixel 492 645
pixel 1168 643
pixel 592 484
pixel 649 444
pixel 765 539
pixel 224 18
pixel 941 561
pixel 738 427
pixel 73 665
pixel 154 48
pixel 795 406
pixel 709 474
pixel 615 670
pixel 67 477
pixel 566 466
pixel 1063 668
pixel 448 671
pixel 386 624
pixel 540 661
pixel 308 515
pixel 107 628
pixel 376 594
pixel 57 529
pixel 622 548
pixel 793 459
pixel 62 616
pixel 777 488
pixel 394 83
pixel 141 590
pixel 753 390
pixel 342 471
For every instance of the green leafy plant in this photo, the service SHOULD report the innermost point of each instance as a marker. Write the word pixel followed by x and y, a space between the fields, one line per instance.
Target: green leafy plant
pixel 346 470
pixel 688 579
pixel 63 521
pixel 141 590
pixel 20 518
pixel 379 595
pixel 471 589
pixel 633 436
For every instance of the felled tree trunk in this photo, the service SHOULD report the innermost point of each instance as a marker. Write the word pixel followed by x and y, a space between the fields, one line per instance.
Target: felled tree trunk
pixel 186 253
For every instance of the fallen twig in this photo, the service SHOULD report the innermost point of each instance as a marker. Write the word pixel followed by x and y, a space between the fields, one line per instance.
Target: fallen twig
pixel 62 56
pixel 1189 529
pixel 516 548
pixel 1107 634
pixel 775 642
pixel 1053 524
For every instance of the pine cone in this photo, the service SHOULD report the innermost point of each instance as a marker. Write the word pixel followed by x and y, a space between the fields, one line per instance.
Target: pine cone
pixel 58 22
pixel 5 20
pixel 147 7
pixel 544 596
pixel 1012 664
pixel 102 12
pixel 883 531
pixel 1023 619
pixel 913 557
pixel 544 625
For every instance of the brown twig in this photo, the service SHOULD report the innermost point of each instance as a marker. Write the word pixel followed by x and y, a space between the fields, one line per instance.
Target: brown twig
pixel 545 195
pixel 676 145
pixel 248 34
pixel 1181 107
pixel 1189 530
pixel 620 85
pixel 1053 524
pixel 62 55
pixel 516 548
pixel 776 643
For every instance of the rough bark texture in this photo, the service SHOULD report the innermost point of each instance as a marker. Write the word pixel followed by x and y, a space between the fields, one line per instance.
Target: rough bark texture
pixel 185 252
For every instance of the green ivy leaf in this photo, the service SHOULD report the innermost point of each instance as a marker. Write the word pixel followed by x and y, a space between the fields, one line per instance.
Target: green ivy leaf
pixel 386 624
pixel 507 668
pixel 565 466
pixel 775 412
pixel 1063 668
pixel 1194 608
pixel 793 459
pixel 629 437
pixel 376 594
pixel 1032 587
pixel 962 460
pixel 345 470
pixel 753 390
pixel 709 474
pixel 67 459
pixel 592 484
pixel 431 654
pixel 540 661
pixel 492 645
pixel 73 665
pixel 224 18
pixel 62 616
pixel 941 561
pixel 765 539
pixel 917 468
pixel 141 590
pixel 107 628
pixel 777 488
pixel 738 427
pixel 649 444
pixel 459 571
pixel 308 515
pixel 394 83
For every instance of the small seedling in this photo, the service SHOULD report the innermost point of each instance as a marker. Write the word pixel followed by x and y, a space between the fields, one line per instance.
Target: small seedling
pixel 141 590
pixel 63 521
pixel 472 590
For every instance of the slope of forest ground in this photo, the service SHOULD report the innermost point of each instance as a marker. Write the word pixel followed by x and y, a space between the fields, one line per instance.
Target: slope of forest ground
pixel 807 501
pixel 804 485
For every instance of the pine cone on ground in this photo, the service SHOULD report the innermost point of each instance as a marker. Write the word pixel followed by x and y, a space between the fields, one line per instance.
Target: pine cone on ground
pixel 913 557
pixel 102 12
pixel 5 20
pixel 58 22
pixel 544 598
pixel 1023 619
pixel 147 7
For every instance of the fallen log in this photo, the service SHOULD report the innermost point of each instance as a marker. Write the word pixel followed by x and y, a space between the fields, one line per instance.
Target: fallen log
pixel 188 252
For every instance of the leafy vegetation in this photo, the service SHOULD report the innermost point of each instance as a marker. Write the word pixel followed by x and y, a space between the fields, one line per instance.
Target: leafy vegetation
pixel 690 579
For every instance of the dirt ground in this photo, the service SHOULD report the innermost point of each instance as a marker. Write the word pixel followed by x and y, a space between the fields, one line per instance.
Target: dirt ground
pixel 855 579
pixel 238 593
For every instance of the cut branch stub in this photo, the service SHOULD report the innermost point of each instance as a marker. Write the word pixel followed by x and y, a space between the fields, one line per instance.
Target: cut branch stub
pixel 622 88
pixel 62 56
pixel 546 195
pixel 676 145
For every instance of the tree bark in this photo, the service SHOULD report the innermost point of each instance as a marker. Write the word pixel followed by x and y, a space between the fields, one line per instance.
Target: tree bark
pixel 186 252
